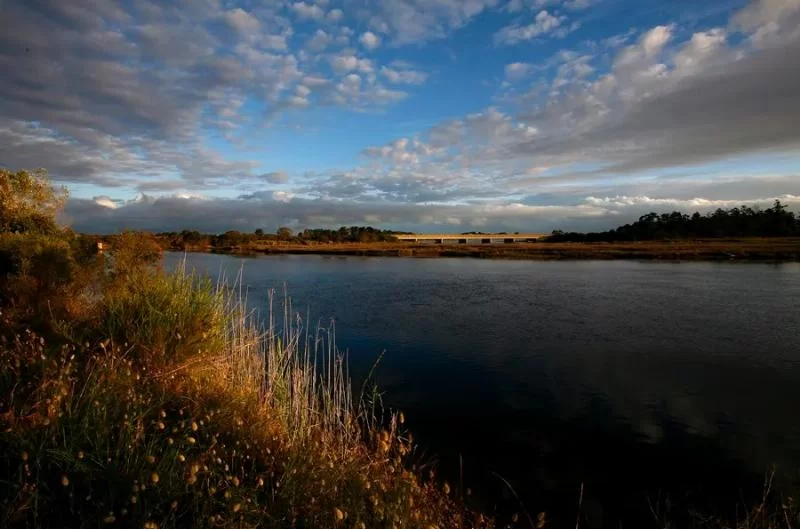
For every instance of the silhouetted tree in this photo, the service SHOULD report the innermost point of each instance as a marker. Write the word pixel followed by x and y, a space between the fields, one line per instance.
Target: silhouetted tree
pixel 743 221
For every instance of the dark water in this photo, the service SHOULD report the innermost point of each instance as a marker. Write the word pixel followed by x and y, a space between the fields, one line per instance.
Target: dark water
pixel 643 381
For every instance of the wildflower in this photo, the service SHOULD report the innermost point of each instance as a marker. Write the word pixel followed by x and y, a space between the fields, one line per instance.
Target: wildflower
pixel 174 505
pixel 163 414
pixel 161 425
pixel 194 426
pixel 401 418
pixel 24 456
pixel 515 518
pixel 338 514
pixel 170 441
pixel 80 454
pixel 154 477
pixel 191 440
pixel 236 507
pixel 65 480
pixel 181 458
pixel 260 482
pixel 235 481
pixel 151 459
pixel 446 488
pixel 110 518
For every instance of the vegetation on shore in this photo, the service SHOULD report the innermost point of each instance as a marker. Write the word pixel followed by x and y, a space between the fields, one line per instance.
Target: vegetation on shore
pixel 134 398
pixel 742 233
pixel 743 221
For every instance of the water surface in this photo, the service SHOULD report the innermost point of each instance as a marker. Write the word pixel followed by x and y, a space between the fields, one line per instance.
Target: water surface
pixel 639 380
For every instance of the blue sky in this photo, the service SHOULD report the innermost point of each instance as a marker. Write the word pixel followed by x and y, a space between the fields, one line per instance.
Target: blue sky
pixel 424 115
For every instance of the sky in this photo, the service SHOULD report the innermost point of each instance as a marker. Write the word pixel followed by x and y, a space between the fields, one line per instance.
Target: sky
pixel 417 115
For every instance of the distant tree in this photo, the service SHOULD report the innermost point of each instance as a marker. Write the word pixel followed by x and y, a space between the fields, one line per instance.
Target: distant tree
pixel 743 221
pixel 259 232
pixel 284 233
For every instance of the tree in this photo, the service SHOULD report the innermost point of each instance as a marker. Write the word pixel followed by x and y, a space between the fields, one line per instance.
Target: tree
pixel 259 232
pixel 284 233
pixel 28 202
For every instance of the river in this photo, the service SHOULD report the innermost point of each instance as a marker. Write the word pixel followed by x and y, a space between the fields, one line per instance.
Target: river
pixel 640 380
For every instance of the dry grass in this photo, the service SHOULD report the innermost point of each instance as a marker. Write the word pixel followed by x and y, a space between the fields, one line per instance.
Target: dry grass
pixel 255 426
pixel 758 249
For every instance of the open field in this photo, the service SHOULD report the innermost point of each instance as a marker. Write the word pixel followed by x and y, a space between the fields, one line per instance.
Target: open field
pixel 751 249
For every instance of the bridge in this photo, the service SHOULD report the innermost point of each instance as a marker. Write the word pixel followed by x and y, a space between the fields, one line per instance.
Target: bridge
pixel 471 238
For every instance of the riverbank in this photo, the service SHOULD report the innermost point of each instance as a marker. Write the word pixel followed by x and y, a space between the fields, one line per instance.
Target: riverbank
pixel 754 249
pixel 131 397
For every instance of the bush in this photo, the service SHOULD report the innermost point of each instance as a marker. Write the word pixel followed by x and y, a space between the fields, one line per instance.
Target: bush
pixel 28 203
pixel 167 318
pixel 37 273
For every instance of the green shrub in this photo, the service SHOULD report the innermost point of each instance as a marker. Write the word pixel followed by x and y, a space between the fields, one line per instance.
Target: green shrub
pixel 37 271
pixel 167 318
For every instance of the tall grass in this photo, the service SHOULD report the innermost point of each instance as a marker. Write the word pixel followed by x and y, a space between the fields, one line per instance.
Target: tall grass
pixel 183 408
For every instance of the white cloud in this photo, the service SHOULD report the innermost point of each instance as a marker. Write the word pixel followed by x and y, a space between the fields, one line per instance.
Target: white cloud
pixel 242 21
pixel 335 15
pixel 308 11
pixel 396 76
pixel 276 177
pixel 543 23
pixel 518 70
pixel 410 21
pixel 319 41
pixel 106 202
pixel 370 40
pixel 344 63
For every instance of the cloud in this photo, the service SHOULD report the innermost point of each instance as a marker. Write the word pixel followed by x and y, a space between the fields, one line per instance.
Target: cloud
pixel 404 76
pixel 268 210
pixel 543 23
pixel 518 70
pixel 413 21
pixel 319 41
pixel 140 86
pixel 370 40
pixel 308 11
pixel 276 177
pixel 242 21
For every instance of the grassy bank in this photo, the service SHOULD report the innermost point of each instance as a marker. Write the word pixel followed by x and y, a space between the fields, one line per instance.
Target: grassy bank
pixel 167 404
pixel 748 249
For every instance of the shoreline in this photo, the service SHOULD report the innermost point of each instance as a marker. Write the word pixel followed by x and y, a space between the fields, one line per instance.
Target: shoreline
pixel 756 249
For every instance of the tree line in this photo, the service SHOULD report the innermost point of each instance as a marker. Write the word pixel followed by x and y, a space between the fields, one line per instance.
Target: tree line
pixel 743 221
pixel 361 234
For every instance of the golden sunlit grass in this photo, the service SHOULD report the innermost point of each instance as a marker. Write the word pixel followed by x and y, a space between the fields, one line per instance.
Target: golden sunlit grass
pixel 184 411
pixel 755 248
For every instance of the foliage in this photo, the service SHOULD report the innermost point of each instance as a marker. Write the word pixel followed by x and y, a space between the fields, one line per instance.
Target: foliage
pixel 743 221
pixel 132 252
pixel 351 234
pixel 165 318
pixel 105 434
pixel 28 203
pixel 187 239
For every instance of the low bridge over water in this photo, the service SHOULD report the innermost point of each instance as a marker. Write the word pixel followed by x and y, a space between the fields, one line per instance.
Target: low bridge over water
pixel 472 238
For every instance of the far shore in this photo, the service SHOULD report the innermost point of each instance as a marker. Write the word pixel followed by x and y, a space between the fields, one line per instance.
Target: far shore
pixel 740 249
